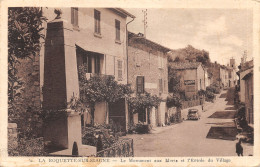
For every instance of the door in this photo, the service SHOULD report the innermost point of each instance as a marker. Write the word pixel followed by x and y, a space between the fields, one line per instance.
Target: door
pixel 117 115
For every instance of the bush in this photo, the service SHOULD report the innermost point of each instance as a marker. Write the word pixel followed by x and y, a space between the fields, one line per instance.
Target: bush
pixel 32 147
pixel 214 88
pixel 209 96
pixel 173 101
pixel 93 135
pixel 143 128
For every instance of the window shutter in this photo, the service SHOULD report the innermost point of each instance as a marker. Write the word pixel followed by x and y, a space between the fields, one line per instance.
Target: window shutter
pixel 119 69
pixel 140 84
pixel 160 86
pixel 76 16
pixel 72 16
pixel 117 27
pixel 97 21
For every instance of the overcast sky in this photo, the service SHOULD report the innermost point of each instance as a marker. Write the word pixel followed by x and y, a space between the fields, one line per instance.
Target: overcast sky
pixel 224 33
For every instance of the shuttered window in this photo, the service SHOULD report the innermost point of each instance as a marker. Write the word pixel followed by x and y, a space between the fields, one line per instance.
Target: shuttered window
pixel 97 21
pixel 117 26
pixel 74 16
pixel 140 84
pixel 160 85
pixel 120 70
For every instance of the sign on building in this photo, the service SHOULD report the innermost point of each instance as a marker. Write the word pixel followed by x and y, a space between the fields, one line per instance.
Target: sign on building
pixel 189 82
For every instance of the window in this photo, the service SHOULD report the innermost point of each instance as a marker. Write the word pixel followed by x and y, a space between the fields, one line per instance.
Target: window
pixel 117 26
pixel 87 62
pixel 160 85
pixel 97 64
pixel 200 84
pixel 142 116
pixel 74 16
pixel 140 84
pixel 137 60
pixel 120 70
pixel 160 62
pixel 97 21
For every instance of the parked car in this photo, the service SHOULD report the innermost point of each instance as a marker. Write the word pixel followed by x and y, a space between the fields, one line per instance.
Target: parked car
pixel 193 114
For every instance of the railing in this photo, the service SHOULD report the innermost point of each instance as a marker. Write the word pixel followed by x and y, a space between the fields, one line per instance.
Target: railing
pixel 123 148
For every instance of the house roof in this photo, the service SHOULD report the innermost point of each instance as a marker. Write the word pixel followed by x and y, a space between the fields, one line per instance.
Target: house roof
pixel 184 66
pixel 122 12
pixel 248 75
pixel 147 42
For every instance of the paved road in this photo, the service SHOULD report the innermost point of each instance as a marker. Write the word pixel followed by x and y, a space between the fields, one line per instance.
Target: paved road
pixel 187 138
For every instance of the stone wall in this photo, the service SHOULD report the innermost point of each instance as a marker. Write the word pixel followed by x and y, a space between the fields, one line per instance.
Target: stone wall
pixel 28 105
pixel 12 137
pixel 29 72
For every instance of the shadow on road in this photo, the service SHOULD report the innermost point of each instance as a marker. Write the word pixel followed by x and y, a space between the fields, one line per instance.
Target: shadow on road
pixel 226 124
pixel 224 133
pixel 230 108
pixel 223 114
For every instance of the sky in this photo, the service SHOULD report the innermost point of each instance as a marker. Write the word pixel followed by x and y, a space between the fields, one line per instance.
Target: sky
pixel 224 33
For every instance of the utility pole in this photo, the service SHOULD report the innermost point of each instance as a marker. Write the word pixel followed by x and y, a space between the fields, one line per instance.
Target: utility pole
pixel 145 21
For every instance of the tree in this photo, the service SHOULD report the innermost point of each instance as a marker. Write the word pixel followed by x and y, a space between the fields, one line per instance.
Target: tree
pixel 24 33
pixel 190 54
pixel 174 80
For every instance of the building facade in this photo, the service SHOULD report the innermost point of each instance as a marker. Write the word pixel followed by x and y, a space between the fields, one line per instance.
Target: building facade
pixel 82 36
pixel 246 89
pixel 192 77
pixel 148 72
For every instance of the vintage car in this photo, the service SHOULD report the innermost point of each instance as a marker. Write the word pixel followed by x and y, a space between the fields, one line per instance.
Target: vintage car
pixel 193 114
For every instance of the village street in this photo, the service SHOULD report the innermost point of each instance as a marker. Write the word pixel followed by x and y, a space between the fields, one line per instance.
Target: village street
pixel 189 137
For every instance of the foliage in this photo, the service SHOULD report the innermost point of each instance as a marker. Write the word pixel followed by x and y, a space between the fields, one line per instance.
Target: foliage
pixel 26 147
pixel 100 88
pixel 173 100
pixel 90 136
pixel 209 95
pixel 142 101
pixel 214 88
pixel 190 54
pixel 24 33
pixel 211 90
pixel 142 128
pixel 201 92
pixel 49 115
pixel 174 80
pixel 76 104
